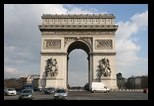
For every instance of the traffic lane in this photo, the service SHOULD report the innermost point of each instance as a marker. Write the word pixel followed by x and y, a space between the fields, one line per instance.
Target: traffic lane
pixel 113 95
pixel 42 96
pixel 86 95
pixel 37 96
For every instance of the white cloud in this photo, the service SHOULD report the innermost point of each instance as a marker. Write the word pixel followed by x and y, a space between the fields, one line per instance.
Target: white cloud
pixel 10 70
pixel 80 10
pixel 141 20
pixel 6 48
pixel 125 30
pixel 126 46
pixel 17 56
pixel 14 72
pixel 76 10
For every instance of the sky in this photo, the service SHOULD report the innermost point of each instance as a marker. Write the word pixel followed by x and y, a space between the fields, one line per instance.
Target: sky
pixel 22 39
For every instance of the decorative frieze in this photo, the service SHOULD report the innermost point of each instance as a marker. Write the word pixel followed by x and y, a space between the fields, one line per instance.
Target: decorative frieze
pixel 104 27
pixel 103 44
pixel 70 39
pixel 78 19
pixel 52 44
pixel 79 32
pixel 88 40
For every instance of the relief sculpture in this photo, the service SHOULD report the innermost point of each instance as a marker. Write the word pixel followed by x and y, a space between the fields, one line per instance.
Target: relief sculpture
pixel 88 40
pixel 104 68
pixel 69 39
pixel 51 68
pixel 103 44
pixel 52 44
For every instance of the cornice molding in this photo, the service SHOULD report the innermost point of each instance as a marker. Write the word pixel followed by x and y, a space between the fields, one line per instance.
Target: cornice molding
pixel 41 27
pixel 103 53
pixel 79 16
pixel 53 53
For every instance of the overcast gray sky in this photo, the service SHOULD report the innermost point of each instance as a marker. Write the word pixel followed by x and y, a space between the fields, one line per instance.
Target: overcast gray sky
pixel 22 39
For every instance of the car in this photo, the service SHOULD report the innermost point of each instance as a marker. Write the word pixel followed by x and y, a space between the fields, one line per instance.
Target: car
pixel 49 90
pixel 10 91
pixel 26 94
pixel 60 94
pixel 28 86
pixel 4 90
pixel 145 90
pixel 18 89
pixel 36 89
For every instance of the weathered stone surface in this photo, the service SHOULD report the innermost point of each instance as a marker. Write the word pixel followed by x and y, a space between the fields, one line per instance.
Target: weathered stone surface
pixel 94 33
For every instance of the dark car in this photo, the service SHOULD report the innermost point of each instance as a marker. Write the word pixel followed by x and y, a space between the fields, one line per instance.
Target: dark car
pixel 145 90
pixel 28 86
pixel 49 90
pixel 60 94
pixel 18 89
pixel 4 90
pixel 36 89
pixel 26 94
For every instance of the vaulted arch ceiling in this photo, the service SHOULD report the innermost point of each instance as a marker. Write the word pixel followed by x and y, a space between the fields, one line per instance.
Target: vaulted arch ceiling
pixel 78 45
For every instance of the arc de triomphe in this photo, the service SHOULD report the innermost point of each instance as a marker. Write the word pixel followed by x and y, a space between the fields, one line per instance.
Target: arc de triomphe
pixel 94 33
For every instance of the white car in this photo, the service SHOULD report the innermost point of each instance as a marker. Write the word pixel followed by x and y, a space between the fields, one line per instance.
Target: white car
pixel 60 94
pixel 10 91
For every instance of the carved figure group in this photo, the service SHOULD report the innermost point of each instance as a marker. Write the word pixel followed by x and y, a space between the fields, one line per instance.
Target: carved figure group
pixel 51 69
pixel 104 68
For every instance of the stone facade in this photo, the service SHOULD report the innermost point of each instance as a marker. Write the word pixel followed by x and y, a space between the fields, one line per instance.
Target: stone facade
pixel 94 33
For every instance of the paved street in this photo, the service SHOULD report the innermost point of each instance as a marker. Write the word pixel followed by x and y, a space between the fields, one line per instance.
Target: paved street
pixel 86 95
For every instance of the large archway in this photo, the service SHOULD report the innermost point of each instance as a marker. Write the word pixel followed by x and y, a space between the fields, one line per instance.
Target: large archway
pixel 77 68
pixel 82 48
pixel 93 33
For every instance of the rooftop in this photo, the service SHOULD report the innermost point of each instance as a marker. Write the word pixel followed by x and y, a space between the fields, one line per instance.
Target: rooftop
pixel 46 16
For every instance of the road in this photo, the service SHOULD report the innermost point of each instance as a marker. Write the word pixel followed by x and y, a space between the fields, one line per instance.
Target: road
pixel 86 95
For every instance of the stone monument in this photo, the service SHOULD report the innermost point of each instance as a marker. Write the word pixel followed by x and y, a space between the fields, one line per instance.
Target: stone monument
pixel 94 33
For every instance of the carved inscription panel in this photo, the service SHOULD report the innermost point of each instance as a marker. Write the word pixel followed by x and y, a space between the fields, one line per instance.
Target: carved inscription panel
pixel 103 44
pixel 52 44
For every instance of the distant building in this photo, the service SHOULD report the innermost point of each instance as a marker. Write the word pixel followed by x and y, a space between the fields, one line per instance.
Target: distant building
pixel 135 82
pixel 121 81
pixel 19 82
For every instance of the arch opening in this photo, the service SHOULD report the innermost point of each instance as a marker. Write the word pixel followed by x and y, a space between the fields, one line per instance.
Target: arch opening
pixel 78 45
pixel 80 51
